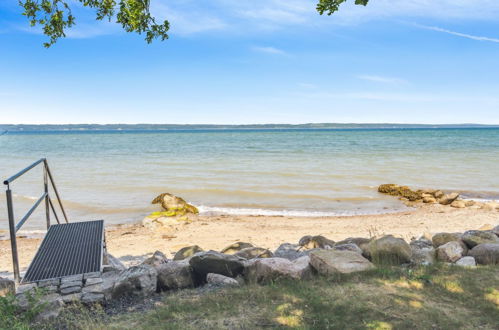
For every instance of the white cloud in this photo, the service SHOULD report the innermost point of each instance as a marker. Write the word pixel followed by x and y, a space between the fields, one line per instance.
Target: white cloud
pixel 268 50
pixel 459 34
pixel 382 79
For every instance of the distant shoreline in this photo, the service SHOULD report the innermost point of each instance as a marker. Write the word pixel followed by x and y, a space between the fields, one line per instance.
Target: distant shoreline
pixel 6 128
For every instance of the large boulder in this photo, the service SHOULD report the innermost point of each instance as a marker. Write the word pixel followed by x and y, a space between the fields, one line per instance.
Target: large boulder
pixel 443 238
pixel 289 251
pixel 270 269
pixel 315 242
pixel 236 247
pixel 254 252
pixel 486 254
pixel 175 204
pixel 473 238
pixel 175 275
pixel 448 198
pixel 390 250
pixel 187 252
pixel 7 287
pixel 328 262
pixel 423 252
pixel 495 230
pixel 204 263
pixel 450 252
pixel 138 280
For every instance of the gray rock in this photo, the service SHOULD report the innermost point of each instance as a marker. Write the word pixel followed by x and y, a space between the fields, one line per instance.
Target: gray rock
pixel 7 287
pixel 50 289
pixel 23 288
pixel 221 281
pixel 473 238
pixel 423 253
pixel 495 230
pixel 91 298
pixel 315 242
pixel 175 275
pixel 187 252
pixel 92 275
pixel 348 247
pixel 156 259
pixel 71 284
pixel 254 252
pixel 70 290
pixel 236 247
pixel 362 243
pixel 289 251
pixel 108 281
pixel 53 305
pixel 72 298
pixel 96 288
pixel 270 269
pixel 421 243
pixel 52 282
pixel 138 281
pixel 450 252
pixel 72 278
pixel 466 262
pixel 329 262
pixel 93 280
pixel 486 254
pixel 390 250
pixel 112 264
pixel 204 263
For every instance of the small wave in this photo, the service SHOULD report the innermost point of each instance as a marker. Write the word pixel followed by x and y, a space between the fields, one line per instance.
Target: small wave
pixel 208 210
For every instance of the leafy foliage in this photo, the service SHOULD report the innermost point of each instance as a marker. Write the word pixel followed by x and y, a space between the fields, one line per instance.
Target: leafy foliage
pixel 331 6
pixel 55 17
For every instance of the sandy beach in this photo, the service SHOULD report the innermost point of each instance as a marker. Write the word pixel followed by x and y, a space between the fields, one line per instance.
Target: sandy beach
pixel 133 243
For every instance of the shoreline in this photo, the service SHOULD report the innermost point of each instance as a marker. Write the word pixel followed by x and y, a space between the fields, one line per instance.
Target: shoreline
pixel 132 243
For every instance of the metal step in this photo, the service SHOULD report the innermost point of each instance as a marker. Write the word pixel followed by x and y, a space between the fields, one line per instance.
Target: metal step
pixel 68 249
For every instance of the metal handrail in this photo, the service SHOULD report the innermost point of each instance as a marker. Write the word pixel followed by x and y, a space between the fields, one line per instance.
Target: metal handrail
pixel 13 227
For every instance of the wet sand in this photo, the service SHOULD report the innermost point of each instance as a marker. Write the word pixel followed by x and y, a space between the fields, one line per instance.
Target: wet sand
pixel 133 243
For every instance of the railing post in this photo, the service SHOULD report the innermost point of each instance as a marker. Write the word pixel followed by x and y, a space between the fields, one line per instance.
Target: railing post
pixel 46 189
pixel 13 240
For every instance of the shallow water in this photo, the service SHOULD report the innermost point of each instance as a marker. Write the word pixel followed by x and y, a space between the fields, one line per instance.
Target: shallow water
pixel 115 175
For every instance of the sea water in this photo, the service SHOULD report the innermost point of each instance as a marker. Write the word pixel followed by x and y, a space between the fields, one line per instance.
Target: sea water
pixel 114 175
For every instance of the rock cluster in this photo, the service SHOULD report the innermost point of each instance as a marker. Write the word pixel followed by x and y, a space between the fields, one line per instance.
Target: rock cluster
pixel 242 263
pixel 432 196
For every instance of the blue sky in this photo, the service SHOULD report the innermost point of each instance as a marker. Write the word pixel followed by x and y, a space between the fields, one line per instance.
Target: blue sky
pixel 260 61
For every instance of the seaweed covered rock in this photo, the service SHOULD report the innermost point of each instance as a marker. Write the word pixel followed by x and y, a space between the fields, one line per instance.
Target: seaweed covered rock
pixel 254 252
pixel 175 211
pixel 315 242
pixel 175 204
pixel 329 262
pixel 401 191
pixel 236 247
pixel 390 250
pixel 187 252
pixel 448 199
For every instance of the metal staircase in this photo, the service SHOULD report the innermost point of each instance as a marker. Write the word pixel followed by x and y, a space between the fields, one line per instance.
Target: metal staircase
pixel 67 248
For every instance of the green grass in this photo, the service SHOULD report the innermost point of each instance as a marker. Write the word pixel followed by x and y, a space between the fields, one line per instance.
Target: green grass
pixel 438 297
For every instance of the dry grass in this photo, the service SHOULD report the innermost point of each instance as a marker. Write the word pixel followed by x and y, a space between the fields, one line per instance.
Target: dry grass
pixel 438 297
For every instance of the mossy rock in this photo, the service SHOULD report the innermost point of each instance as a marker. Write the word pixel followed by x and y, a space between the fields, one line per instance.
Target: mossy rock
pixel 236 247
pixel 315 242
pixel 174 203
pixel 187 252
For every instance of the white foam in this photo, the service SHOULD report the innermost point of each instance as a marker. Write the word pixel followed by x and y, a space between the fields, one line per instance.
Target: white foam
pixel 207 210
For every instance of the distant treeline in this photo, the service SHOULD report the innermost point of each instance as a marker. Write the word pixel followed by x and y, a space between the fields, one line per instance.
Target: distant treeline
pixel 152 127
